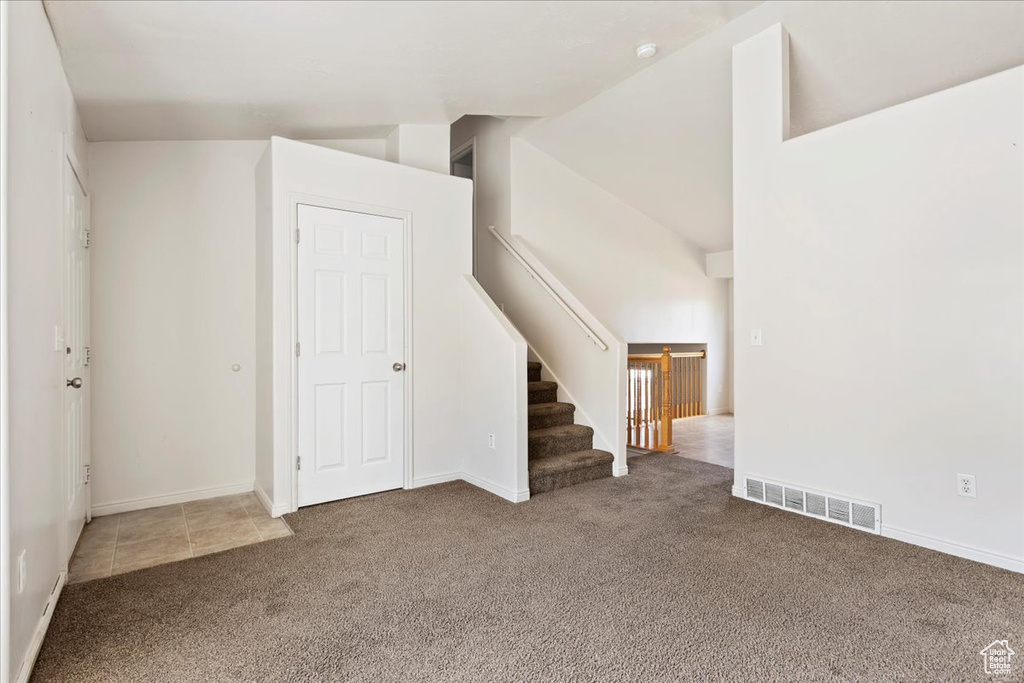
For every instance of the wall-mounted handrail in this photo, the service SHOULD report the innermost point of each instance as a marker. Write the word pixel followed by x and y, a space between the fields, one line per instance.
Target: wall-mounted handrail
pixel 547 288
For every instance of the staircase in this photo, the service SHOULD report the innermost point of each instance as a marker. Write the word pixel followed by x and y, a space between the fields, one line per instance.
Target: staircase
pixel 561 453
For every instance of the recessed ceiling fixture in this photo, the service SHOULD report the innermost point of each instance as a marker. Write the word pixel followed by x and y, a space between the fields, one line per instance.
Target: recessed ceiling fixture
pixel 646 51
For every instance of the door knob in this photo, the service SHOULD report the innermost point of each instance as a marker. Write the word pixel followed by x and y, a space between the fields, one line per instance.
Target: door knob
pixel 398 367
pixel 75 383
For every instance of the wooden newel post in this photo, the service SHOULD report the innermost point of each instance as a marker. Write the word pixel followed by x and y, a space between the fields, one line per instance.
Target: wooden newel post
pixel 665 443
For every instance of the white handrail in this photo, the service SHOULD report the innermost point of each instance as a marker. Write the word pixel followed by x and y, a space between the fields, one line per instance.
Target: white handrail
pixel 547 288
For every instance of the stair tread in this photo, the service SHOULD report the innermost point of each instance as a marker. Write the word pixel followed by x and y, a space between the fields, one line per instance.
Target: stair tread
pixel 560 430
pixel 570 461
pixel 541 386
pixel 551 408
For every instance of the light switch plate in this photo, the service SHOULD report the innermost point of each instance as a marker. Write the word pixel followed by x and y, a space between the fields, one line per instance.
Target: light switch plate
pixel 755 336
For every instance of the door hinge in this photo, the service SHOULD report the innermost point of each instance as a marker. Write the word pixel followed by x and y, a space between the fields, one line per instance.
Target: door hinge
pixel 88 355
pixel 298 348
pixel 296 236
pixel 88 239
pixel 87 474
pixel 298 462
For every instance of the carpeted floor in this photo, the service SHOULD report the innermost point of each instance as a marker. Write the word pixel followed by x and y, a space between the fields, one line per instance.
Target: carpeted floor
pixel 658 576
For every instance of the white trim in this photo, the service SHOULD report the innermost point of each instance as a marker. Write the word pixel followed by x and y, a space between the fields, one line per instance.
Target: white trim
pixel 435 479
pixel 500 491
pixel 264 499
pixel 967 552
pixel 76 166
pixel 170 499
pixel 739 492
pixel 724 410
pixel 25 672
pixel 294 200
pixel 620 470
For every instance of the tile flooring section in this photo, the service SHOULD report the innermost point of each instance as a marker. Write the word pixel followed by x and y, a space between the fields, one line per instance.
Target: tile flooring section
pixel 709 438
pixel 116 544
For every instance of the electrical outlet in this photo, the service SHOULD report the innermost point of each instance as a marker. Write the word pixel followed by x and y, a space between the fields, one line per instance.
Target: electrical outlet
pixel 490 441
pixel 965 486
pixel 755 336
pixel 22 572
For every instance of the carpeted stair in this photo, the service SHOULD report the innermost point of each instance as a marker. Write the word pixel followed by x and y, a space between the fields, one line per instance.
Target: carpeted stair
pixel 561 453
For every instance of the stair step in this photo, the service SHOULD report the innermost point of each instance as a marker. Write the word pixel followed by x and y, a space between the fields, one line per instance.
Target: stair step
pixel 552 441
pixel 542 392
pixel 569 469
pixel 532 371
pixel 543 415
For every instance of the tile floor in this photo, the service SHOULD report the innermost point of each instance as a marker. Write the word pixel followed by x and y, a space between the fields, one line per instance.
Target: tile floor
pixel 709 439
pixel 116 544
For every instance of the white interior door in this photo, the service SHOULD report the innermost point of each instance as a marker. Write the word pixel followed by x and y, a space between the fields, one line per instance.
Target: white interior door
pixel 351 327
pixel 76 356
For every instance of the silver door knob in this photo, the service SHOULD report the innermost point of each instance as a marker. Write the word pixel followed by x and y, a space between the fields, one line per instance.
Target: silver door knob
pixel 75 383
pixel 398 367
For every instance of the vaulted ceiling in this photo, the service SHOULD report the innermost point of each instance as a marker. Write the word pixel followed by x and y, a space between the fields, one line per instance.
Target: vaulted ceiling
pixel 159 70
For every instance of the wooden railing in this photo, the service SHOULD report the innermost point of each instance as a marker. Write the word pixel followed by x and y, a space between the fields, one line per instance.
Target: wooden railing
pixel 662 388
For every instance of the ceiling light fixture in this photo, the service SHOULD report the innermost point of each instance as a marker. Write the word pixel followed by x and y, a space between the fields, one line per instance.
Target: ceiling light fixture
pixel 646 51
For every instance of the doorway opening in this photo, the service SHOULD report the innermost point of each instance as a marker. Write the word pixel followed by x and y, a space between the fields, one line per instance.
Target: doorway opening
pixel 463 165
pixel 667 404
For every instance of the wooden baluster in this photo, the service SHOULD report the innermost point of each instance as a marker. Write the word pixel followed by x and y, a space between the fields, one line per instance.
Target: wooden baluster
pixel 700 379
pixel 666 400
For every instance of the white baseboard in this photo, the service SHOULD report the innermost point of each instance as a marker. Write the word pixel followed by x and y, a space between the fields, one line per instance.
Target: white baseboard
pixel 966 552
pixel 268 505
pixel 25 672
pixel 720 411
pixel 435 479
pixel 500 491
pixel 170 499
pixel 620 471
pixel 984 556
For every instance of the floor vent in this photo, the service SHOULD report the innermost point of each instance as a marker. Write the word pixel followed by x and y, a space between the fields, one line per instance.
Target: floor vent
pixel 856 514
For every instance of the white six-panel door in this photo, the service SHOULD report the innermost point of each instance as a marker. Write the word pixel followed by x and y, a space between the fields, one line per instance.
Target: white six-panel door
pixel 76 357
pixel 351 331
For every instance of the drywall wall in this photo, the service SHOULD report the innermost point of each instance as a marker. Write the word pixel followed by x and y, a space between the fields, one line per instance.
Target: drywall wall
pixel 661 140
pixel 493 397
pixel 590 377
pixel 636 276
pixel 882 260
pixel 172 419
pixel 172 315
pixel 42 113
pixel 440 207
pixel 424 146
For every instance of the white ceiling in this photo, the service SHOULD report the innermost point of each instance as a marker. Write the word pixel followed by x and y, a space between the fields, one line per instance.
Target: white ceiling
pixel 667 151
pixel 239 70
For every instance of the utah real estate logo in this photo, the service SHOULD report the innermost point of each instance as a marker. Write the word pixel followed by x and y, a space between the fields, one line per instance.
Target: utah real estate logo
pixel 997 658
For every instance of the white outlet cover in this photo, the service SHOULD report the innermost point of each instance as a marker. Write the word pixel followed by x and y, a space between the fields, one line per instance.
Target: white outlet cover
pixel 966 486
pixel 490 441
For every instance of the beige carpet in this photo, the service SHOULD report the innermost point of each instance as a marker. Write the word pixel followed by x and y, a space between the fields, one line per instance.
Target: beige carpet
pixel 658 576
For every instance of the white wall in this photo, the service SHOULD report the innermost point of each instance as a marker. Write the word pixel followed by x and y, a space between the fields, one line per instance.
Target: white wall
pixel 493 397
pixel 636 276
pixel 172 313
pixel 424 146
pixel 173 310
pixel 41 112
pixel 883 259
pixel 661 140
pixel 441 209
pixel 591 378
